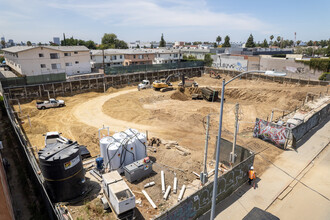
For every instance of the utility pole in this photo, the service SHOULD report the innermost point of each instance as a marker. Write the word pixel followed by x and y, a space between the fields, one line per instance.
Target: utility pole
pixel 232 154
pixel 204 179
pixel 103 61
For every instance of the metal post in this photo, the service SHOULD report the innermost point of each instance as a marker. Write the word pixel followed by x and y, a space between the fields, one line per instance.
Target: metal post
pixel 271 116
pixel 232 157
pixel 206 143
pixel 215 183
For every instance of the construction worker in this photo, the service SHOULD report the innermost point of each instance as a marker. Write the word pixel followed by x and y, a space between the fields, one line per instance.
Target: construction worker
pixel 252 175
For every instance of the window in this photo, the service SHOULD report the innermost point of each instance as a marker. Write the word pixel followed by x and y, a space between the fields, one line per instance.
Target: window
pixel 56 66
pixel 140 56
pixel 121 56
pixel 67 54
pixel 68 64
pixel 41 55
pixel 105 57
pixel 75 52
pixel 54 56
pixel 114 57
pixel 134 56
pixel 76 62
pixel 78 71
pixel 43 65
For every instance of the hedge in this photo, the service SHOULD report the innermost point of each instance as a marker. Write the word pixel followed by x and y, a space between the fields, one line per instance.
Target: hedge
pixel 316 63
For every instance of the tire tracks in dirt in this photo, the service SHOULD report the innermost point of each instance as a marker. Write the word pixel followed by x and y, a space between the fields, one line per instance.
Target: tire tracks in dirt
pixel 91 113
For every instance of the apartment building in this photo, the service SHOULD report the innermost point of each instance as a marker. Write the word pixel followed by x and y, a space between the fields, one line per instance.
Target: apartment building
pixel 139 57
pixel 167 56
pixel 110 57
pixel 37 60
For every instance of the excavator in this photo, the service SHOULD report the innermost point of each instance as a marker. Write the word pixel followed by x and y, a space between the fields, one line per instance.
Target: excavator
pixel 164 84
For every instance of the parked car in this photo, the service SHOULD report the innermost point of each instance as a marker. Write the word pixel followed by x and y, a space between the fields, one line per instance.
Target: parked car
pixel 52 103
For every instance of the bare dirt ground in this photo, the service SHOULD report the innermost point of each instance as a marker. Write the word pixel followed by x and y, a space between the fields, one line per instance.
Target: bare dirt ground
pixel 169 119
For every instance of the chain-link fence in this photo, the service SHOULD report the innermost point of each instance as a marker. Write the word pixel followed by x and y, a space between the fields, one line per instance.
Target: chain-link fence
pixel 151 67
pixel 30 80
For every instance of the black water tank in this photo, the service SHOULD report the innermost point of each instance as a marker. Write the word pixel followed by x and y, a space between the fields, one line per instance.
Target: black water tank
pixel 63 171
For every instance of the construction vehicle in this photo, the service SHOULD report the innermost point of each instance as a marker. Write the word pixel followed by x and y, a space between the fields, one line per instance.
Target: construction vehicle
pixel 163 84
pixel 144 85
pixel 214 75
pixel 188 83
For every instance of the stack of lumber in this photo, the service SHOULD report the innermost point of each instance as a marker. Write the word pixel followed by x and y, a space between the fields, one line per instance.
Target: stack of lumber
pixel 210 94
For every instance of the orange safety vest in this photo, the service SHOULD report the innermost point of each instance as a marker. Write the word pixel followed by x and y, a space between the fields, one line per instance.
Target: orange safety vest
pixel 252 174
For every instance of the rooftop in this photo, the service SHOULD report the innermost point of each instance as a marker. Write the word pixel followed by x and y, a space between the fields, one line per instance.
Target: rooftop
pixel 18 49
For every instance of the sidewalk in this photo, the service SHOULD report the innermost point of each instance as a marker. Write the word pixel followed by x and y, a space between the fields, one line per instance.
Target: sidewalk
pixel 275 179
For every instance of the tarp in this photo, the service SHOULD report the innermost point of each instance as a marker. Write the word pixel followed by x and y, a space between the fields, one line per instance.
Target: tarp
pixel 271 132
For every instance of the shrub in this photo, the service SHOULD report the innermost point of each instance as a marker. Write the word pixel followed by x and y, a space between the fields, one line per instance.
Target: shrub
pixel 324 76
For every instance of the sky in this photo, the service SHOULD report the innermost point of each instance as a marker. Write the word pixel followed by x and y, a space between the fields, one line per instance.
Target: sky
pixel 179 20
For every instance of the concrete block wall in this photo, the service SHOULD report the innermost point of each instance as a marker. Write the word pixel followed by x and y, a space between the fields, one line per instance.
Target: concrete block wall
pixel 200 202
pixel 277 79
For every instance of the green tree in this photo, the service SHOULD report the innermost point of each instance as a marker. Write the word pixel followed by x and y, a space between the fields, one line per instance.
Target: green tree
pixel 215 45
pixel 271 39
pixel 152 46
pixel 111 41
pixel 278 38
pixel 90 45
pixel 250 43
pixel 28 43
pixel 219 39
pixel 162 42
pixel 208 60
pixel 226 43
pixel 298 42
pixel 265 44
pixel 137 46
pixel 2 59
pixel 3 44
pixel 328 50
pixel 310 43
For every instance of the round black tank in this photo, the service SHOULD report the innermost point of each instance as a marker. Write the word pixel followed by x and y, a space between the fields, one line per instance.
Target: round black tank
pixel 63 171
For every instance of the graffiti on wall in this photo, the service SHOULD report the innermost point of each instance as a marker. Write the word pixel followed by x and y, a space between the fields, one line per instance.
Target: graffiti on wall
pixel 268 131
pixel 200 202
pixel 234 66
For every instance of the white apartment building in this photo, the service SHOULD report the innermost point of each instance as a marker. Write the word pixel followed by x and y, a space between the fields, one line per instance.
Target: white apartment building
pixel 111 57
pixel 166 56
pixel 37 60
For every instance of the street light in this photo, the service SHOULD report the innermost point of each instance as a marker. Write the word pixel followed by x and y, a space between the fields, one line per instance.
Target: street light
pixel 215 183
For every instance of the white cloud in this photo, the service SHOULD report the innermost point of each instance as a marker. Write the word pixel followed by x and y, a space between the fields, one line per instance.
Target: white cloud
pixel 153 13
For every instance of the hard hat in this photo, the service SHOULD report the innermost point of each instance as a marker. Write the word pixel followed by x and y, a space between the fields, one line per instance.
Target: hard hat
pixel 252 168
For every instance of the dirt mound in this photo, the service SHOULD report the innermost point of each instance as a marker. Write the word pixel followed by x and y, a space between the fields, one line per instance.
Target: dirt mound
pixel 177 95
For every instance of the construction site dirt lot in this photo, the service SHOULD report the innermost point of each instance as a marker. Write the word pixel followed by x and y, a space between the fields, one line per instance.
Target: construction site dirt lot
pixel 168 116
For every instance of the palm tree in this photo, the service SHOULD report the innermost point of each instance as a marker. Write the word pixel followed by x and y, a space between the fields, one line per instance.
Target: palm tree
pixel 271 38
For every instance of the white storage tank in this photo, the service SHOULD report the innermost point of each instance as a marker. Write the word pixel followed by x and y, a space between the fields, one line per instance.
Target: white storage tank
pixel 130 156
pixel 105 142
pixel 114 154
pixel 140 141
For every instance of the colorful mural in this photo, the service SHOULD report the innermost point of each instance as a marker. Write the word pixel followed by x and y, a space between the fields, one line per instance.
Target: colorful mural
pixel 268 131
